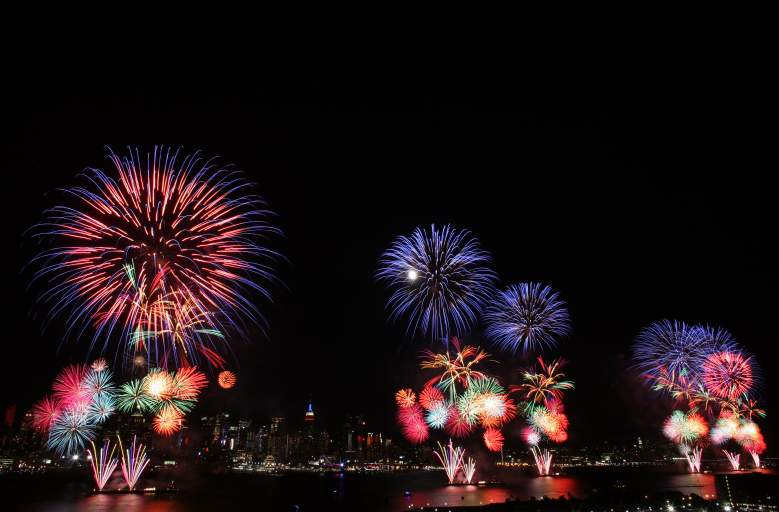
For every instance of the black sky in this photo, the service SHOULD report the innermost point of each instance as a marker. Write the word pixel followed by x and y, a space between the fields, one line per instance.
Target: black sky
pixel 638 196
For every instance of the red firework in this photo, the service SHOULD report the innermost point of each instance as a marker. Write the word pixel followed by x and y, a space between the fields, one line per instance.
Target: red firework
pixel 456 425
pixel 405 397
pixel 44 413
pixel 728 374
pixel 162 250
pixel 493 439
pixel 430 397
pixel 70 388
pixel 412 422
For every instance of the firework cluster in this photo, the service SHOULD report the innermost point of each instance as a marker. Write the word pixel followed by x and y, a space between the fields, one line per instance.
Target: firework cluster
pixel 460 399
pixel 84 397
pixel 162 255
pixel 542 391
pixel 712 381
pixel 441 284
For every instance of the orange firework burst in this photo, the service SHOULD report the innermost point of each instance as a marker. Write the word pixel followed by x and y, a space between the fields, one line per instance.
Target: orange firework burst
pixel 167 421
pixel 188 382
pixel 405 397
pixel 226 379
pixel 158 384
pixel 493 439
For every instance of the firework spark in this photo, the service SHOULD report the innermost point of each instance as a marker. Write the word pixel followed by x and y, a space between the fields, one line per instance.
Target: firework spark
pixel 493 439
pixel 545 385
pixel 161 237
pixel 70 431
pixel 103 463
pixel 728 375
pixel 134 461
pixel 543 458
pixel 693 456
pixel 405 397
pixel 44 413
pixel 685 428
pixel 526 317
pixel 167 421
pixel 431 398
pixel 132 398
pixel 734 459
pixel 226 379
pixel 451 459
pixel 412 422
pixel 458 368
pixel 469 469
pixel 439 279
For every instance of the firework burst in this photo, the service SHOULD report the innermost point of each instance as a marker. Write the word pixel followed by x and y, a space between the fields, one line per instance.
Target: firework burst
pixel 526 317
pixel 167 421
pixel 226 379
pixel 451 459
pixel 405 397
pixel 412 422
pixel 685 428
pixel 162 253
pixel 71 431
pixel 439 279
pixel 132 398
pixel 728 375
pixel 44 413
pixel 493 439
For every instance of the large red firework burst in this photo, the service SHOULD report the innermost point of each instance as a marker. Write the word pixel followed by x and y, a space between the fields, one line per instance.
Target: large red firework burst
pixel 728 374
pixel 164 252
pixel 493 439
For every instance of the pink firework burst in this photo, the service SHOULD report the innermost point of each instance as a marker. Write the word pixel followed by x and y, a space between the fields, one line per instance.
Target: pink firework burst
pixel 728 375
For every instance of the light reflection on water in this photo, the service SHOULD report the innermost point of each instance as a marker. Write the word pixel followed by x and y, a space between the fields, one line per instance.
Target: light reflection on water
pixel 372 492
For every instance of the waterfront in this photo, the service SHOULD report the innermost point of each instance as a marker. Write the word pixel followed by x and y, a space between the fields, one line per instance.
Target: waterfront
pixel 331 491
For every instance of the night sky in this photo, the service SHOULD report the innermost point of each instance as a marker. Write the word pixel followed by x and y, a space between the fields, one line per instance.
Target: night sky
pixel 637 196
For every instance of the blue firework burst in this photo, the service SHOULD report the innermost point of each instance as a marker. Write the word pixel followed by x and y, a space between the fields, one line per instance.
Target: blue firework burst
pixel 526 317
pixel 439 278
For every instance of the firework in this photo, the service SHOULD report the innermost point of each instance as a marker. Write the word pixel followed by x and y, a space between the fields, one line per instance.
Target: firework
pixel 439 279
pixel 469 469
pixel 693 456
pixel 226 379
pixel 101 407
pixel 751 439
pixel 412 422
pixel 728 374
pixel 496 410
pixel 99 382
pixel 167 421
pixel 134 461
pixel 457 368
pixel 44 413
pixel 103 463
pixel 685 428
pixel 493 439
pixel 543 458
pixel 438 416
pixel 99 365
pixel 678 349
pixel 70 387
pixel 531 436
pixel 132 398
pixel 550 421
pixel 70 431
pixel 734 459
pixel 526 317
pixel 188 382
pixel 457 425
pixel 451 459
pixel 545 385
pixel 405 398
pixel 158 384
pixel 161 237
pixel 725 429
pixel 431 398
